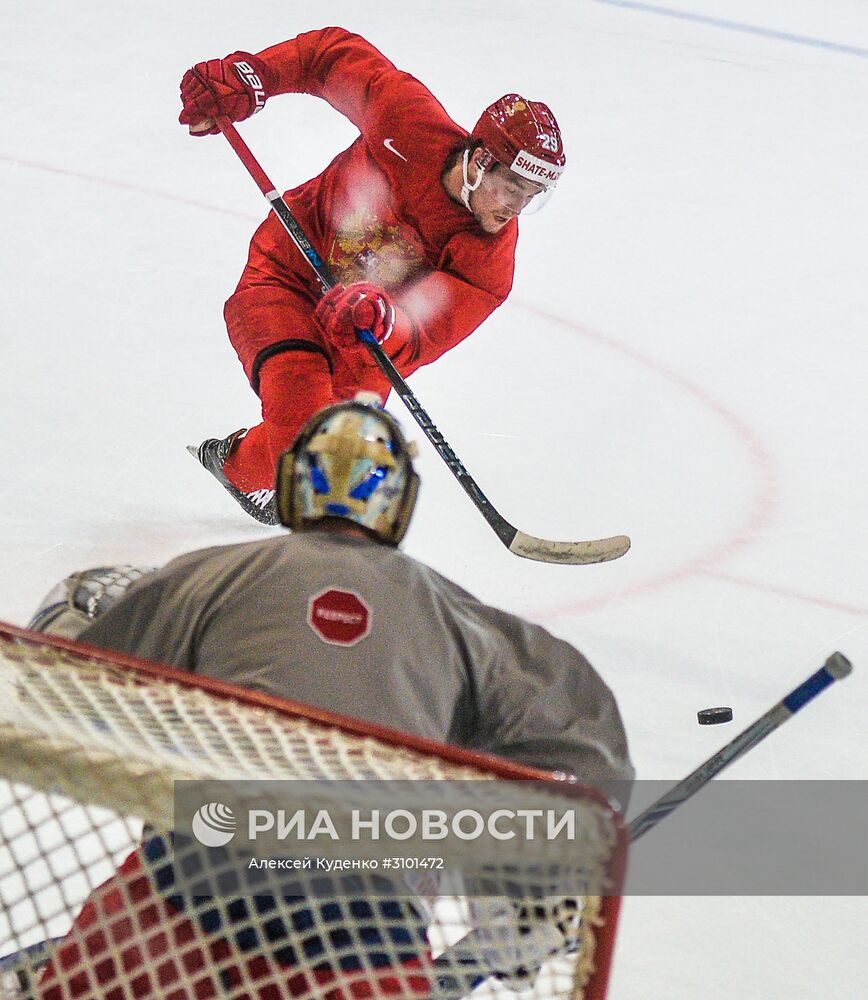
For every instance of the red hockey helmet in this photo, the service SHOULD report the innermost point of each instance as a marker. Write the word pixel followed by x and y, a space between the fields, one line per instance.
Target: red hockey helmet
pixel 523 136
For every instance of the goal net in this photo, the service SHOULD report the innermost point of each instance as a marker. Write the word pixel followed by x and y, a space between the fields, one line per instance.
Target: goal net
pixel 92 746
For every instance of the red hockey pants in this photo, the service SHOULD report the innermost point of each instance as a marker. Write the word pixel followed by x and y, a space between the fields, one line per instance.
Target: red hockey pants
pixel 292 370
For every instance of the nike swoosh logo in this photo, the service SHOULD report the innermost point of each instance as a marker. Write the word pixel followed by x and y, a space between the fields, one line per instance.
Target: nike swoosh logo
pixel 388 144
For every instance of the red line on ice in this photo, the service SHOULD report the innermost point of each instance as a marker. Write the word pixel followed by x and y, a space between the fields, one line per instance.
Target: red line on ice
pixel 123 186
pixel 762 502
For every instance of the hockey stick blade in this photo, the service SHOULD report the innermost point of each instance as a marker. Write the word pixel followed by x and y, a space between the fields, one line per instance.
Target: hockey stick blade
pixel 569 553
pixel 520 544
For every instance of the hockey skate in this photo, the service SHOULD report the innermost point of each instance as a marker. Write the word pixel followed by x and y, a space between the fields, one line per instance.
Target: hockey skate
pixel 212 453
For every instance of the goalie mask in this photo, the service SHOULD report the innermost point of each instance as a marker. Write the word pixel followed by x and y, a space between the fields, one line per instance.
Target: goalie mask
pixel 350 461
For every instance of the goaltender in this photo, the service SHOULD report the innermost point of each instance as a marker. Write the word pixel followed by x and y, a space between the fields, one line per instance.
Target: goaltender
pixel 334 615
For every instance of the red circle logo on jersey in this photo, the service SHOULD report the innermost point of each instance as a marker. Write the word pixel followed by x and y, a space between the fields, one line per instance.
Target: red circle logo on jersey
pixel 340 617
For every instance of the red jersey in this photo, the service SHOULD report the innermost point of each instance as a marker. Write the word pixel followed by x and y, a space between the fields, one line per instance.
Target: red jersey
pixel 379 211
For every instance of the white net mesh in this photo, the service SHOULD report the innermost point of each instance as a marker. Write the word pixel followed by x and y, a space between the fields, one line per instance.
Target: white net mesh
pixel 90 749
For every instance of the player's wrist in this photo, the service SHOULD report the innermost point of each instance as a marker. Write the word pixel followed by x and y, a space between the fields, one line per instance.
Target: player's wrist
pixel 401 336
pixel 256 77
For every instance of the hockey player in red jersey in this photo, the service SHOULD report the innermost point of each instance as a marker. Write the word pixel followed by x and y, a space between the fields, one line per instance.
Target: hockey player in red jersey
pixel 417 219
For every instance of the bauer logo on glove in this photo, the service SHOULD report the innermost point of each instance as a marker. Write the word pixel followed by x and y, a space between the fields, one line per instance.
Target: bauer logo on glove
pixel 251 78
pixel 235 88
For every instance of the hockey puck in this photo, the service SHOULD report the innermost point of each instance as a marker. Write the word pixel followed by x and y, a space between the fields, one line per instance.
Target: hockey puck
pixel 714 716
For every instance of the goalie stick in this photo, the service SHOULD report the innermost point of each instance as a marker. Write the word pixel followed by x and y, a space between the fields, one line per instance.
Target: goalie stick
pixel 478 955
pixel 470 952
pixel 519 543
pixel 835 667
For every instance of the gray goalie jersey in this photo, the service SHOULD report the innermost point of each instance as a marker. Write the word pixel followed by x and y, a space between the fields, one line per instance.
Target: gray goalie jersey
pixel 355 627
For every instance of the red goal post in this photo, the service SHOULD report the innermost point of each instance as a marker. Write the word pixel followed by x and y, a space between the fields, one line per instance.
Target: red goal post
pixel 91 744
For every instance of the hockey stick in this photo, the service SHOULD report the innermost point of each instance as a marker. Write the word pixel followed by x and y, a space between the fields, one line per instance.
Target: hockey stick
pixel 835 667
pixel 455 983
pixel 520 544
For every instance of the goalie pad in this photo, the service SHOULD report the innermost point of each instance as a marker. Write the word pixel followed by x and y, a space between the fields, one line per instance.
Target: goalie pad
pixel 508 940
pixel 68 608
pixel 514 941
